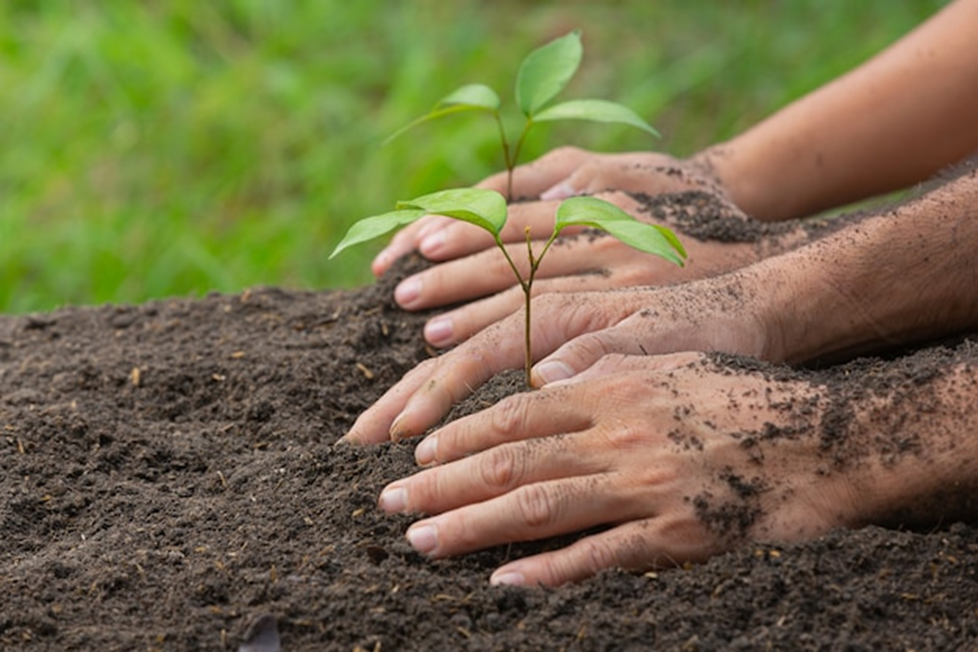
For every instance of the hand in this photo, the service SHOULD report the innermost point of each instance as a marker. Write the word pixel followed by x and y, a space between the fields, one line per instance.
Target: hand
pixel 586 262
pixel 674 453
pixel 559 174
pixel 576 329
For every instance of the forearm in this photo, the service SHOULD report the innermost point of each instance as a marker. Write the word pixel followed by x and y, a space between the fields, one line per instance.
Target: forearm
pixel 904 276
pixel 919 439
pixel 888 124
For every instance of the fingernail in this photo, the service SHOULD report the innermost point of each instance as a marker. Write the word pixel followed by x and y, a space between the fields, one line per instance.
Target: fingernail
pixel 560 191
pixel 393 499
pixel 423 538
pixel 507 578
pixel 382 260
pixel 438 331
pixel 397 431
pixel 551 371
pixel 407 292
pixel 425 452
pixel 432 243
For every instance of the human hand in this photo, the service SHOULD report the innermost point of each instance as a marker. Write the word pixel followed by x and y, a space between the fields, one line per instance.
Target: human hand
pixel 674 453
pixel 485 283
pixel 555 176
pixel 574 330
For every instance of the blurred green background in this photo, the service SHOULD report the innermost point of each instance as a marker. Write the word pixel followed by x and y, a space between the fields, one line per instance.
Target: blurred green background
pixel 152 149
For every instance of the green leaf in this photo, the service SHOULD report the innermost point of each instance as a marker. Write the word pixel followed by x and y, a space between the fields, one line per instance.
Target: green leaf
pixel 599 214
pixel 595 111
pixel 371 227
pixel 546 71
pixel 471 97
pixel 484 208
pixel 476 96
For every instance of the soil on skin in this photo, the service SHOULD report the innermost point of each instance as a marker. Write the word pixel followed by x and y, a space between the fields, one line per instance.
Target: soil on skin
pixel 168 480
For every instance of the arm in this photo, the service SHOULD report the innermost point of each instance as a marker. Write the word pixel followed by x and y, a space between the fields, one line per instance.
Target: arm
pixel 717 237
pixel 892 122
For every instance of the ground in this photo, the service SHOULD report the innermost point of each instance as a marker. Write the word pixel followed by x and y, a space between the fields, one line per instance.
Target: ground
pixel 168 475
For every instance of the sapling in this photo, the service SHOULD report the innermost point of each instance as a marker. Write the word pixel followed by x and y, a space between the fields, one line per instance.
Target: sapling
pixel 487 209
pixel 542 75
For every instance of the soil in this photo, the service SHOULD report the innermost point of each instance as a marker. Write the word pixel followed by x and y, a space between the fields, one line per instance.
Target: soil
pixel 169 482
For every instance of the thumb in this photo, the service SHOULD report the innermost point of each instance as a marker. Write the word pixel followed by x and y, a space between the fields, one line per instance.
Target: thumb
pixel 580 354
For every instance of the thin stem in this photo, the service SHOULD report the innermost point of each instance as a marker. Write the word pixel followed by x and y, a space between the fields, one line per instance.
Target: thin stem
pixel 512 265
pixel 507 159
pixel 511 165
pixel 528 296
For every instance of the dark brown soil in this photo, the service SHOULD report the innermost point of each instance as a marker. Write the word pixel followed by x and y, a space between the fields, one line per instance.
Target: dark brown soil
pixel 168 476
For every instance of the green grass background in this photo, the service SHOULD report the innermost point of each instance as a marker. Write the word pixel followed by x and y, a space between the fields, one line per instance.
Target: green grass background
pixel 152 149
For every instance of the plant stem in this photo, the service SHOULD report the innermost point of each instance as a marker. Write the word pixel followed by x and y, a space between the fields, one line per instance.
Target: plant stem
pixel 511 161
pixel 527 286
pixel 527 297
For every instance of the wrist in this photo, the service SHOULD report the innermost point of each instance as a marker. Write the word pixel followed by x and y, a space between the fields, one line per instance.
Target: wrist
pixel 727 165
pixel 921 458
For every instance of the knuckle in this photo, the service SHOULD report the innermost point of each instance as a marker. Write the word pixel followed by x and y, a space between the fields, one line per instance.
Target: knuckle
pixel 550 302
pixel 537 506
pixel 625 436
pixel 598 555
pixel 501 468
pixel 564 151
pixel 509 416
pixel 592 347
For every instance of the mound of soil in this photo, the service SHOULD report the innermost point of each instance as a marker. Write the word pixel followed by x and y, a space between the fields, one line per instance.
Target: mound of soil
pixel 168 480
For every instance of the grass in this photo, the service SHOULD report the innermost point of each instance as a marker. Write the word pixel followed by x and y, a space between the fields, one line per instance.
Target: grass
pixel 154 149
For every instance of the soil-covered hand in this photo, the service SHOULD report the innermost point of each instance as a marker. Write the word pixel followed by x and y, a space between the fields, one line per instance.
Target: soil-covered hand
pixel 484 283
pixel 559 174
pixel 571 331
pixel 677 457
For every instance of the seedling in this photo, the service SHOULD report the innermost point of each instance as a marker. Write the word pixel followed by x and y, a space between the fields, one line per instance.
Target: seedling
pixel 487 209
pixel 542 75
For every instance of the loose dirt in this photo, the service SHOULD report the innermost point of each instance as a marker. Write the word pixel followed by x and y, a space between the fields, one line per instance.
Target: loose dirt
pixel 168 479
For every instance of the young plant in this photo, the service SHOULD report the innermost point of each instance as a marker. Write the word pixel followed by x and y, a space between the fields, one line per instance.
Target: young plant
pixel 487 209
pixel 542 75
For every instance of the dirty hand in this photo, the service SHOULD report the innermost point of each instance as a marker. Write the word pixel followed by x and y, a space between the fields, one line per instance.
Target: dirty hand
pixel 667 451
pixel 555 176
pixel 485 283
pixel 574 330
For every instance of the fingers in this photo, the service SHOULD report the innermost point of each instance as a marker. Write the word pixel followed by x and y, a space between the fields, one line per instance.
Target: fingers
pixel 647 172
pixel 462 323
pixel 638 335
pixel 617 363
pixel 426 393
pixel 532 178
pixel 407 240
pixel 488 272
pixel 440 238
pixel 498 471
pixel 532 511
pixel 517 417
pixel 637 545
pixel 458 325
pixel 373 425
pixel 464 279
